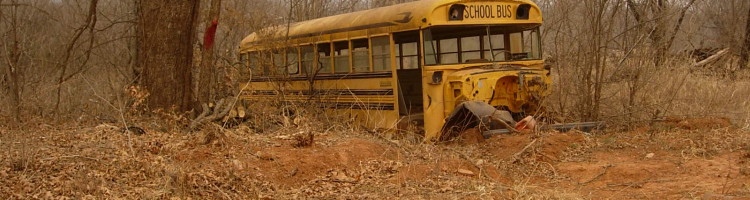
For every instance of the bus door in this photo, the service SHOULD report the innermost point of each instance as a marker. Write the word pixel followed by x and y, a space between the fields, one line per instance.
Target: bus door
pixel 408 72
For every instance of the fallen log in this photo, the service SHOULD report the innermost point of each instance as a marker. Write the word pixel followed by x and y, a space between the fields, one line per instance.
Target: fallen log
pixel 712 58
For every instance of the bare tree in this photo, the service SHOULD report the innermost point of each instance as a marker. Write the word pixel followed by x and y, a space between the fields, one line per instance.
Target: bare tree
pixel 207 82
pixel 654 16
pixel 12 59
pixel 89 25
pixel 167 30
pixel 746 45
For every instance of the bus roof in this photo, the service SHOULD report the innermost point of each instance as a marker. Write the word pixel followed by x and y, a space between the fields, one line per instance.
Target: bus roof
pixel 399 17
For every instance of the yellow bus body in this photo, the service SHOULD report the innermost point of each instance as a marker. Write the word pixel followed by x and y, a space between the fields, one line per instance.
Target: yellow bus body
pixel 454 61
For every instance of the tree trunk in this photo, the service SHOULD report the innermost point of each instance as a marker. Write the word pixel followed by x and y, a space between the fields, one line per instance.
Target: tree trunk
pixel 661 41
pixel 746 46
pixel 165 51
pixel 659 32
pixel 136 68
pixel 12 68
pixel 207 83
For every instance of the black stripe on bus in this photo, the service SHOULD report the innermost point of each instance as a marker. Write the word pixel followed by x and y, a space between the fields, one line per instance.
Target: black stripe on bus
pixel 505 70
pixel 359 106
pixel 355 105
pixel 322 92
pixel 326 77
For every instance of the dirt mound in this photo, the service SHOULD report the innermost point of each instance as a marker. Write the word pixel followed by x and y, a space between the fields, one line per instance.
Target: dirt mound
pixel 618 175
pixel 295 166
pixel 697 123
pixel 470 136
pixel 549 146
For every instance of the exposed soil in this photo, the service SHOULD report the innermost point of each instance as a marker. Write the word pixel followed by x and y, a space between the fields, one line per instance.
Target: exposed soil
pixel 98 161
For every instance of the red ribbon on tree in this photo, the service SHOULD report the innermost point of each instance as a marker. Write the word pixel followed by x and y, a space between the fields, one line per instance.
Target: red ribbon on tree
pixel 208 38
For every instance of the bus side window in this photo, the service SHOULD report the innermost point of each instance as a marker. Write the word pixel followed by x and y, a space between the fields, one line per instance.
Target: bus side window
pixel 407 50
pixel 360 54
pixel 264 59
pixel 244 65
pixel 430 48
pixel 253 62
pixel 307 59
pixel 278 63
pixel 292 58
pixel 341 57
pixel 381 53
pixel 409 55
pixel 324 58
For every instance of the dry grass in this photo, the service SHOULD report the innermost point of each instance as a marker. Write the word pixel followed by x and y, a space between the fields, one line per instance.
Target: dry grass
pixel 97 161
pixel 636 94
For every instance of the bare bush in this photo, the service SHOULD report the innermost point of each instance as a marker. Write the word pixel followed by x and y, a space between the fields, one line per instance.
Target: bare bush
pixel 623 61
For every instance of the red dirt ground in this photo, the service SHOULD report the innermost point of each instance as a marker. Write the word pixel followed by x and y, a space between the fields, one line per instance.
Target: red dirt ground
pixel 659 162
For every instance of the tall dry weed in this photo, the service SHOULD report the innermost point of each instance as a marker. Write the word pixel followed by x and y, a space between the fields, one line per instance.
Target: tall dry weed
pixel 636 93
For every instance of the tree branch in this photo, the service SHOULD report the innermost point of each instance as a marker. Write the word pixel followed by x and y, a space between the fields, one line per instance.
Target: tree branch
pixel 679 24
pixel 90 23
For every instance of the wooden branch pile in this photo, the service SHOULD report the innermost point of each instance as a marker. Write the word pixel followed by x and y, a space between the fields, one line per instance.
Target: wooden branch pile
pixel 210 114
pixel 712 58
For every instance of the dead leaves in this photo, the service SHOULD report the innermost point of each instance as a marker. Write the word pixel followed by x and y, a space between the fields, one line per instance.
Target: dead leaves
pixel 305 139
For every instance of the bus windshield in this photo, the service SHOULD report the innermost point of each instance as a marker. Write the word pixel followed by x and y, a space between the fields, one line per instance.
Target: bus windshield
pixel 479 44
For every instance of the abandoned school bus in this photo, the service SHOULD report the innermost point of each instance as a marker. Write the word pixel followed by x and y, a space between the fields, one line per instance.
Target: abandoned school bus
pixel 439 63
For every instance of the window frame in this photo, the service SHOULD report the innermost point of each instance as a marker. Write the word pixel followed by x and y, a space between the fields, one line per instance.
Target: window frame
pixel 335 55
pixel 407 37
pixel 287 65
pixel 353 53
pixel 318 63
pixel 503 44
pixel 303 70
pixel 463 52
pixel 440 53
pixel 276 62
pixel 387 55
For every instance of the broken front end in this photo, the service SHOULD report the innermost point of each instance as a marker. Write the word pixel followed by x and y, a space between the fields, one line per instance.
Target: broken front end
pixel 488 98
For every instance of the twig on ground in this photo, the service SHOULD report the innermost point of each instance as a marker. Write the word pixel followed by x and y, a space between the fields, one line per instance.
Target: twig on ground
pixel 517 155
pixel 221 191
pixel 598 175
pixel 552 167
pixel 639 184
pixel 73 156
